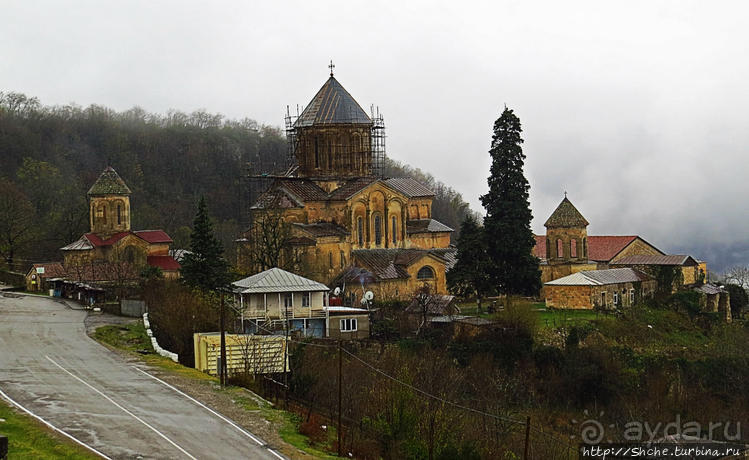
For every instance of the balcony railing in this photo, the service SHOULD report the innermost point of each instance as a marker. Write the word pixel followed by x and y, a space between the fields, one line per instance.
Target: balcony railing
pixel 276 313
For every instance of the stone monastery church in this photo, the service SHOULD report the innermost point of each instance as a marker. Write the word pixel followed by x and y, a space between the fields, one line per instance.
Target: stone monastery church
pixel 349 224
pixel 111 250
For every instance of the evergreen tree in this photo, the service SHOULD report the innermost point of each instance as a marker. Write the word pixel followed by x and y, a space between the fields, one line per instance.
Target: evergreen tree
pixel 205 267
pixel 469 277
pixel 513 269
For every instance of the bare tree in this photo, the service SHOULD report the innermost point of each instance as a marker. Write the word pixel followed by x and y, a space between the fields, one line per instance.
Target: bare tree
pixel 16 221
pixel 738 275
pixel 269 243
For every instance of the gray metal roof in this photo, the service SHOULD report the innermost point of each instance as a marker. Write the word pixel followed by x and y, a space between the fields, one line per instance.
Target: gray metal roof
pixel 276 280
pixel 643 259
pixel 83 244
pixel 408 186
pixel 710 289
pixel 426 226
pixel 601 277
pixel 332 105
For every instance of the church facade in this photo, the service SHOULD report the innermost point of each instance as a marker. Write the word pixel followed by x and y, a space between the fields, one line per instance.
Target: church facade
pixel 348 224
pixel 111 251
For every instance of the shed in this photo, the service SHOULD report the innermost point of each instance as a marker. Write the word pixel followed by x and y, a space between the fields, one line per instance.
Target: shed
pixel 608 289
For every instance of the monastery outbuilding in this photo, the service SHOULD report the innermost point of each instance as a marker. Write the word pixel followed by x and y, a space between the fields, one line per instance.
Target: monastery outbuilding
pixel 583 271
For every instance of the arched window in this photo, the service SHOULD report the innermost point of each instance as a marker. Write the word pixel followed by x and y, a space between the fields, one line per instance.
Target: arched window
pixel 119 214
pixel 360 231
pixel 548 248
pixel 378 230
pixel 394 228
pixel 101 213
pixel 560 248
pixel 330 258
pixel 573 248
pixel 130 255
pixel 425 273
pixel 585 247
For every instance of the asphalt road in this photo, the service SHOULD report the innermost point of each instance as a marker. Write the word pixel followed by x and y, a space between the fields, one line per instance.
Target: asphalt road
pixel 50 367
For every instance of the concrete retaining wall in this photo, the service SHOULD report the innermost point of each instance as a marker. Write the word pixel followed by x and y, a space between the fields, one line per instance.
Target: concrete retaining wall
pixel 133 308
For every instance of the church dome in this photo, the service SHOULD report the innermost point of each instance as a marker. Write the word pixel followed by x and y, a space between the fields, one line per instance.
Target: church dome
pixel 109 183
pixel 566 215
pixel 332 105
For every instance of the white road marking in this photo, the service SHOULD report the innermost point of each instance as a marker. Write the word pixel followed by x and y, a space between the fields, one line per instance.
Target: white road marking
pixel 54 428
pixel 122 408
pixel 227 420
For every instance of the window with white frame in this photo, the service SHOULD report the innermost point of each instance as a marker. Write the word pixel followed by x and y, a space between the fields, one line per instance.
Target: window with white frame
pixel 616 298
pixel 305 299
pixel 631 296
pixel 287 301
pixel 348 325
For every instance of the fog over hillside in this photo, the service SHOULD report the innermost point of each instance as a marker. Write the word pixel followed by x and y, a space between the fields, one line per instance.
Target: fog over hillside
pixel 637 110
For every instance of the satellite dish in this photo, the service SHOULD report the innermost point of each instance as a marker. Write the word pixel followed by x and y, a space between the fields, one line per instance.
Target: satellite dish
pixel 363 301
pixel 368 295
pixel 337 291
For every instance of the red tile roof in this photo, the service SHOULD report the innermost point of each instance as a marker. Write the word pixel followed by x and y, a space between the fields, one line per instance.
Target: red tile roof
pixel 153 236
pixel 604 248
pixel 51 269
pixel 166 263
pixel 150 236
pixel 96 241
pixel 600 248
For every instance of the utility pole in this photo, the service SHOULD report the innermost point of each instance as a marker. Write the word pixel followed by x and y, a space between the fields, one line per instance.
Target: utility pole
pixel 340 393
pixel 286 353
pixel 223 367
pixel 527 436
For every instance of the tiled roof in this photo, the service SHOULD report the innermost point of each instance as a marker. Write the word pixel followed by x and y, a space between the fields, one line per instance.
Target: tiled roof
pixel 601 277
pixel 276 198
pixel 332 104
pixel 642 259
pixel 426 226
pixel 449 254
pixel 51 269
pixel 153 236
pixel 166 263
pixel 408 186
pixel 351 188
pixel 566 215
pixel 604 248
pixel 97 241
pixel 390 263
pixel 277 280
pixel 303 189
pixel 539 250
pixel 322 229
pixel 109 183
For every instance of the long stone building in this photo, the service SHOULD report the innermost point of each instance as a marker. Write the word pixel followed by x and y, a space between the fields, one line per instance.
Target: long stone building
pixel 348 223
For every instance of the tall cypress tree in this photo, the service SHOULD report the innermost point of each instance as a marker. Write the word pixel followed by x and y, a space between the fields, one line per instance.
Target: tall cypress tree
pixel 204 267
pixel 513 267
pixel 469 277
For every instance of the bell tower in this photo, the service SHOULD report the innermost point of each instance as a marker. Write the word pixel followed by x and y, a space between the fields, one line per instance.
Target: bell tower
pixel 566 234
pixel 109 205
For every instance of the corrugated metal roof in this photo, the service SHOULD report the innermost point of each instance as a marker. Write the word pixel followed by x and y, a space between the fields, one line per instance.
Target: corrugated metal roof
pixel 566 215
pixel 82 244
pixel 643 259
pixel 109 183
pixel 710 289
pixel 408 186
pixel 331 105
pixel 426 226
pixel 277 280
pixel 601 277
pixel 449 254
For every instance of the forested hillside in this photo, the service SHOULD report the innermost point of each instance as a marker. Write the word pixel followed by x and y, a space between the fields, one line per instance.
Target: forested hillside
pixel 50 156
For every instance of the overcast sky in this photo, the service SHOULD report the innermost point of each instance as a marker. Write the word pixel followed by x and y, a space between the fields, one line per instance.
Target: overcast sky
pixel 639 110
